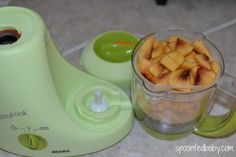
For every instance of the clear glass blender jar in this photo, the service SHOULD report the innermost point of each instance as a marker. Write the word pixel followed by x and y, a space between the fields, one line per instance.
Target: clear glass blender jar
pixel 171 112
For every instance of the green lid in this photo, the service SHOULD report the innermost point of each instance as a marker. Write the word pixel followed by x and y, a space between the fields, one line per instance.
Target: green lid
pixel 115 46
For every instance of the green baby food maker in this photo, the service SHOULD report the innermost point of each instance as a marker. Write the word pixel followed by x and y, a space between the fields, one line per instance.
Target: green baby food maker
pixel 47 106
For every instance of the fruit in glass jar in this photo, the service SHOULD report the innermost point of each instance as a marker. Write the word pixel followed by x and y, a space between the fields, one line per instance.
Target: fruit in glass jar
pixel 177 62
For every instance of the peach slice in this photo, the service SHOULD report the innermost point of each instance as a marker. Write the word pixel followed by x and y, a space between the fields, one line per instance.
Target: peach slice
pixel 146 48
pixel 164 72
pixel 144 69
pixel 171 43
pixel 194 71
pixel 189 61
pixel 190 57
pixel 182 77
pixel 163 79
pixel 156 43
pixel 147 74
pixel 215 67
pixel 157 51
pixel 166 49
pixel 177 57
pixel 183 47
pixel 156 69
pixel 143 65
pixel 188 65
pixel 203 61
pixel 204 77
pixel 201 48
pixel 169 63
pixel 156 60
pixel 172 60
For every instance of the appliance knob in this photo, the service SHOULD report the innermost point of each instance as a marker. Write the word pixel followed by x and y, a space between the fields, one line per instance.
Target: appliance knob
pixel 32 141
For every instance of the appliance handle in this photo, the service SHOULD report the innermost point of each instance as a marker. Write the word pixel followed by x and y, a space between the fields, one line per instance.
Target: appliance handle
pixel 222 125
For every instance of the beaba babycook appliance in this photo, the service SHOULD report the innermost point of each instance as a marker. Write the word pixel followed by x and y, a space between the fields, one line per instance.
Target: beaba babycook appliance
pixel 169 114
pixel 47 106
pixel 110 52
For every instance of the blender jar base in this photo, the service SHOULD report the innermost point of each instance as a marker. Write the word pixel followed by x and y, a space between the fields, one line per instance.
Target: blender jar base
pixel 163 136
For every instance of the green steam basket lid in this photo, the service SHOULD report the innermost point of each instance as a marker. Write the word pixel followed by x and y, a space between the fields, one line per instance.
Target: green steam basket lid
pixel 108 56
